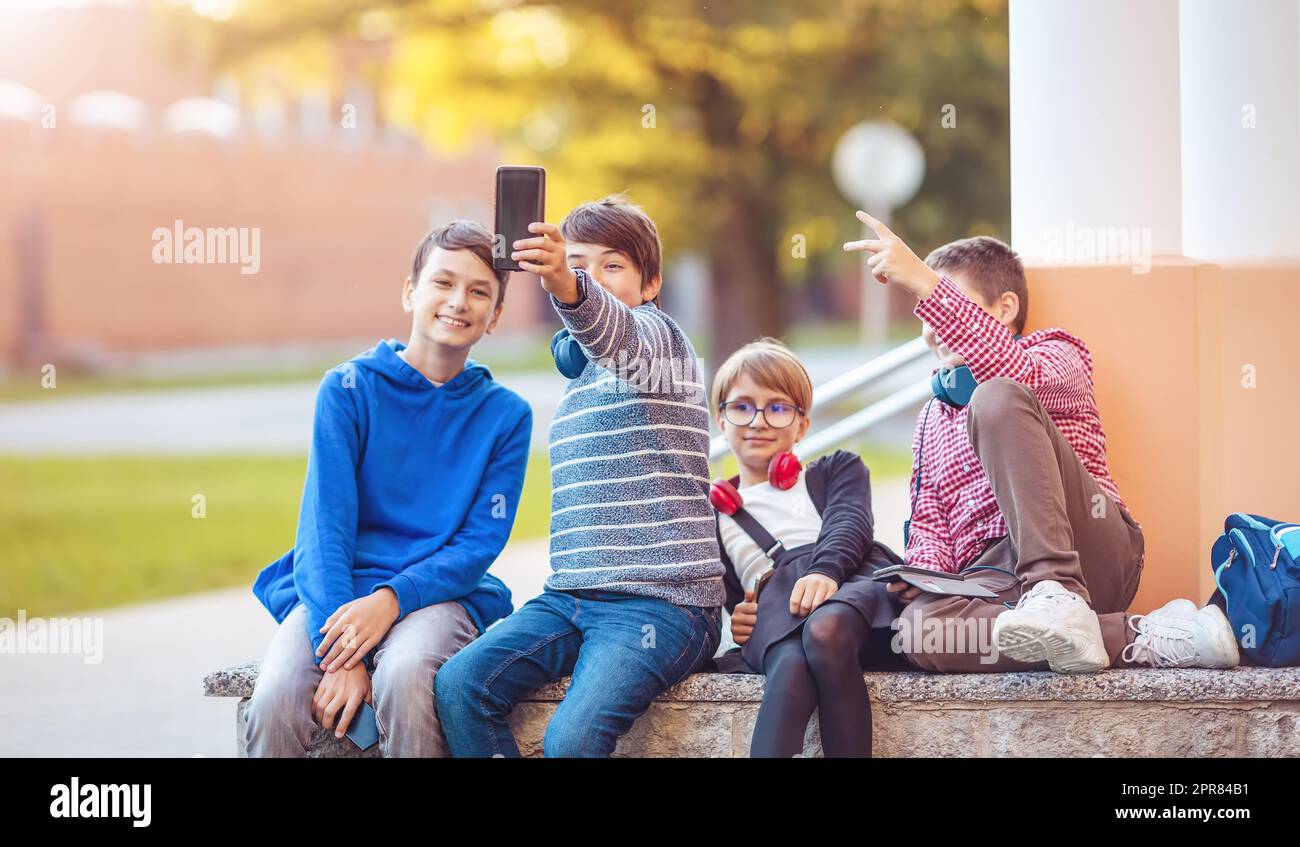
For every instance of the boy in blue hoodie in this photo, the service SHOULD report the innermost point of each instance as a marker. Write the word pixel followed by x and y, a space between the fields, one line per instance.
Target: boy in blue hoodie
pixel 416 465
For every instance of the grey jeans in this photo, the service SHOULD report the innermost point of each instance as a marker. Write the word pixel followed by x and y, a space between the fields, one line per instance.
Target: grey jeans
pixel 279 720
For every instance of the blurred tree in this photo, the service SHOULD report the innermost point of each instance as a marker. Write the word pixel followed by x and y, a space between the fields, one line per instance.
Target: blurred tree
pixel 718 117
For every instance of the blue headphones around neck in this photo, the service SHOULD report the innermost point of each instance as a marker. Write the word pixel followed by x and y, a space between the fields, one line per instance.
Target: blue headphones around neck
pixel 955 386
pixel 570 358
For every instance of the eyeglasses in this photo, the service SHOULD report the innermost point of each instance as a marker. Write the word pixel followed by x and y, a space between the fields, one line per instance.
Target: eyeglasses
pixel 777 415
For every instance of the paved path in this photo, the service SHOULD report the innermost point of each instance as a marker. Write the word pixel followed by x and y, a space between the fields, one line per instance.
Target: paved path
pixel 144 698
pixel 274 418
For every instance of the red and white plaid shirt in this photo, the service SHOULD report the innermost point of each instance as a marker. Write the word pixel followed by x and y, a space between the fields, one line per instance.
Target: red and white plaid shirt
pixel 955 513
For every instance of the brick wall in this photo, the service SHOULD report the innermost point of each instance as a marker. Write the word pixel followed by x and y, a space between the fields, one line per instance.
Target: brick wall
pixel 337 229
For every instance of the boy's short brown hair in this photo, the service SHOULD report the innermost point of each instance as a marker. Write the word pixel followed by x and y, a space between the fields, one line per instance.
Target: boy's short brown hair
pixel 991 267
pixel 769 363
pixel 617 222
pixel 459 234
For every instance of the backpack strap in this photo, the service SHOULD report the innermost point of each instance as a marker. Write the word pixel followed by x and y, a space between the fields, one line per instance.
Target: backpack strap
pixel 756 531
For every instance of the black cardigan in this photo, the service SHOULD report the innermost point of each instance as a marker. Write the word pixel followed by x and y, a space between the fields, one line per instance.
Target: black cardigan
pixel 840 488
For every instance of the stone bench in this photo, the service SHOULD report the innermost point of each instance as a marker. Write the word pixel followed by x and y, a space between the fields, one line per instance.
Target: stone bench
pixel 1132 712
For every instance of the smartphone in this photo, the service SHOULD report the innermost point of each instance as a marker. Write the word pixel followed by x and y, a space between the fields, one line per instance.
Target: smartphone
pixel 364 730
pixel 521 200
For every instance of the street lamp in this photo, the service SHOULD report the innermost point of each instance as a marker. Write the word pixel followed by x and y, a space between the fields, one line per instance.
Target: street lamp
pixel 877 166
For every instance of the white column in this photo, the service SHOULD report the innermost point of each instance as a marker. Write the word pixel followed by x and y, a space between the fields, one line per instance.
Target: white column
pixel 1241 129
pixel 1094 123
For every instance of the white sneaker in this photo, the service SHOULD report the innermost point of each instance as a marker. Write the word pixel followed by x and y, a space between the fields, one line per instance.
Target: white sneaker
pixel 1179 635
pixel 1052 623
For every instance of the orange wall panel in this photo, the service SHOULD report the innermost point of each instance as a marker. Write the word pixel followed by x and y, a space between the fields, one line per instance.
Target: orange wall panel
pixel 1187 443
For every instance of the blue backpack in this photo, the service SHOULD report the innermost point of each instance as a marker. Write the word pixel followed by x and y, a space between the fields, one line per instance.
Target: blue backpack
pixel 1256 565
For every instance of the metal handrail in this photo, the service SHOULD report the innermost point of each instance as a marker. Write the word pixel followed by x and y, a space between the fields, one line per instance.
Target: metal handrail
pixel 885 365
pixel 863 375
pixel 860 422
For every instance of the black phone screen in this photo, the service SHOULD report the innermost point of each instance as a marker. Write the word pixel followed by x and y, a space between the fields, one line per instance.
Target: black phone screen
pixel 520 200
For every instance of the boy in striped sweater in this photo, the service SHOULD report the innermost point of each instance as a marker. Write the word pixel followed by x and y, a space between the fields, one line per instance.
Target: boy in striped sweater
pixel 633 602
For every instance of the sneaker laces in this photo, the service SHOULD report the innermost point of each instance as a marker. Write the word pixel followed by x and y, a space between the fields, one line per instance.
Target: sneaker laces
pixel 1045 601
pixel 1166 644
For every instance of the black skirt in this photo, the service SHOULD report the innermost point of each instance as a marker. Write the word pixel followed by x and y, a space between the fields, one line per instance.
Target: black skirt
pixel 876 605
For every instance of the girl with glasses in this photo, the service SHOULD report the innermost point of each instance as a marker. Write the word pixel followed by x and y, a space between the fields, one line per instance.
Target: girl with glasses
pixel 798 549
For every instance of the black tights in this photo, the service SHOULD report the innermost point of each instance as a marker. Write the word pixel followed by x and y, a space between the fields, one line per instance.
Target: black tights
pixel 816 665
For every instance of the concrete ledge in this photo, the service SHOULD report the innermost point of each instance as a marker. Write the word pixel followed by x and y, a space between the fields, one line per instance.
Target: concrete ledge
pixel 1130 712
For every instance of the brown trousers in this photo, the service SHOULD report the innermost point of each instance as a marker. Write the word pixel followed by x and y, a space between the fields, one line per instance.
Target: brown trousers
pixel 1061 526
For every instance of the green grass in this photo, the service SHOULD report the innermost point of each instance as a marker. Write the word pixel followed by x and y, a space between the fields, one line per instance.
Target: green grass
pixel 84 533
pixel 533 519
pixel 89 532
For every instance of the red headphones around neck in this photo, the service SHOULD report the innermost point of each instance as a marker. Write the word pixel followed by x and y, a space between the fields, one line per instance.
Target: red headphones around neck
pixel 782 472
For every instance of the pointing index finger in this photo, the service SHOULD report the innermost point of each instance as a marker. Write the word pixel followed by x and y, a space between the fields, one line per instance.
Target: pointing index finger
pixel 872 245
pixel 880 229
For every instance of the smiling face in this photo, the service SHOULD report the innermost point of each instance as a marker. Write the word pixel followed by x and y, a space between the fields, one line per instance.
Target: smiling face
pixel 455 300
pixel 755 445
pixel 614 271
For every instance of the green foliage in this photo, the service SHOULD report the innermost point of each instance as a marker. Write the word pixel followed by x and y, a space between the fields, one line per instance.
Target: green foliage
pixel 747 99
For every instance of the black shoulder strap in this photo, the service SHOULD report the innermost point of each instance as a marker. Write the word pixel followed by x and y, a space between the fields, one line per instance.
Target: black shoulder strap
pixel 769 545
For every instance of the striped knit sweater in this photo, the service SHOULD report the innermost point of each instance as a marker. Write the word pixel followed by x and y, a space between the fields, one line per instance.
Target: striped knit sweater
pixel 629 452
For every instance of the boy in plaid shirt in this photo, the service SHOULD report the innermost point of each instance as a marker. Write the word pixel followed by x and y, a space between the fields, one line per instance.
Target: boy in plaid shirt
pixel 1010 487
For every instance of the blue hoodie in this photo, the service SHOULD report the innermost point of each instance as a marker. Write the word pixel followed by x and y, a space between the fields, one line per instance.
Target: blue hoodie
pixel 408 486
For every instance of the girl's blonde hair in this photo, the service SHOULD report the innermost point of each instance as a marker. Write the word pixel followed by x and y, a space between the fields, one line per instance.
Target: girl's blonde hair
pixel 769 363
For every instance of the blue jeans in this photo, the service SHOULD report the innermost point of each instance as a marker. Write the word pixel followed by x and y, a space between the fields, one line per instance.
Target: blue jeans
pixel 621 650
